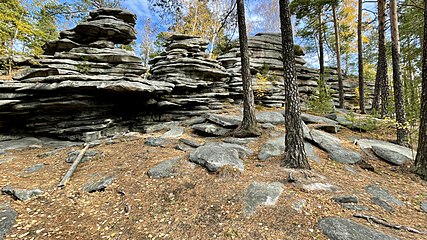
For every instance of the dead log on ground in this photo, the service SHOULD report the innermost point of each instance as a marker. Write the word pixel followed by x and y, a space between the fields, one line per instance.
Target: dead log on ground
pixel 73 167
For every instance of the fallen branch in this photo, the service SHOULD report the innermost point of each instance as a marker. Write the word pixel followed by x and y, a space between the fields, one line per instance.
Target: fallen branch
pixel 385 223
pixel 73 167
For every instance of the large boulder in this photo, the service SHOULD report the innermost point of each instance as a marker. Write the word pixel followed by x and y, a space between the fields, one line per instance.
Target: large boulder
pixel 214 155
pixel 387 151
pixel 334 147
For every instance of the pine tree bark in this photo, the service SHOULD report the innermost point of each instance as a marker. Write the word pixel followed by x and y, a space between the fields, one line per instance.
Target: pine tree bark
pixel 321 48
pixel 402 132
pixel 338 51
pixel 421 159
pixel 381 92
pixel 295 156
pixel 360 59
pixel 248 127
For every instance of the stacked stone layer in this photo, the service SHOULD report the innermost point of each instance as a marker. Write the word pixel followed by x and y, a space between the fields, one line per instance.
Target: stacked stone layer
pixel 200 83
pixel 266 61
pixel 83 83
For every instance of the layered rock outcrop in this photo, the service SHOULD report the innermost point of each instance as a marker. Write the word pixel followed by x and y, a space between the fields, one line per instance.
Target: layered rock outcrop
pixel 83 83
pixel 267 72
pixel 200 82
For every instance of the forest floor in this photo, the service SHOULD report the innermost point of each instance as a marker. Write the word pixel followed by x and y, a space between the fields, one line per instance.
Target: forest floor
pixel 196 204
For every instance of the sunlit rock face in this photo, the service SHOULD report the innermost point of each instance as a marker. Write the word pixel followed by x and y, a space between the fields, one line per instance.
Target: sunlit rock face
pixel 83 83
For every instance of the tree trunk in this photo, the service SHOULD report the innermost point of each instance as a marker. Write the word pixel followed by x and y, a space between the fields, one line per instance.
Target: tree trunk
pixel 402 132
pixel 360 59
pixel 338 51
pixel 294 144
pixel 421 159
pixel 381 91
pixel 321 48
pixel 248 127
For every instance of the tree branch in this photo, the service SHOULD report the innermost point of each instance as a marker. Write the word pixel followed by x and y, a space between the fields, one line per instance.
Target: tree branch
pixel 385 223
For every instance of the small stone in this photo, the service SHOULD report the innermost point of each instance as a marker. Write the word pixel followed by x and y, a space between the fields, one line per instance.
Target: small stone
pixel 383 194
pixel 35 168
pixel 267 126
pixel 329 128
pixel 174 132
pixel 210 129
pixel 21 194
pixel 299 205
pixel 320 187
pixel 165 169
pixel 355 207
pixel 345 199
pixel 155 142
pixel 382 204
pixel 350 169
pixel 98 185
pixel 240 141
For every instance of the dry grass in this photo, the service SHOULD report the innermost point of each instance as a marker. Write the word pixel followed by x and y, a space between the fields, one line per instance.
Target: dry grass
pixel 195 205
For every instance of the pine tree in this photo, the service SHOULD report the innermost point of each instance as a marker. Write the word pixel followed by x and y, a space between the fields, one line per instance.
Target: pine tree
pixel 248 127
pixel 421 159
pixel 294 144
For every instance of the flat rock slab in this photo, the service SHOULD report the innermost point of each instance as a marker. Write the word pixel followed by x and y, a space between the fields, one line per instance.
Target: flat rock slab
pixel 334 147
pixel 390 156
pixel 259 193
pixel 214 155
pixel 311 153
pixel 155 142
pixel 17 144
pixel 400 150
pixel 337 228
pixel 330 128
pixel 174 132
pixel 72 155
pixel 240 141
pixel 383 194
pixel 227 121
pixel 320 187
pixel 274 118
pixel 98 185
pixel 382 203
pixel 165 169
pixel 21 194
pixel 423 206
pixel 210 129
pixel 272 148
pixel 308 118
pixel 354 207
pixel 345 199
pixel 7 220
pixel 35 168
pixel 191 143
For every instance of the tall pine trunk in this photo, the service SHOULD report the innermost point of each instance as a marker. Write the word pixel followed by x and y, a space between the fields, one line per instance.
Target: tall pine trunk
pixel 360 58
pixel 402 132
pixel 294 144
pixel 248 127
pixel 338 51
pixel 381 91
pixel 421 159
pixel 321 48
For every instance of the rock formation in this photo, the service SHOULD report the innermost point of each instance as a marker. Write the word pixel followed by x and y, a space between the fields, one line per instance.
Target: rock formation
pixel 267 72
pixel 83 83
pixel 200 82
